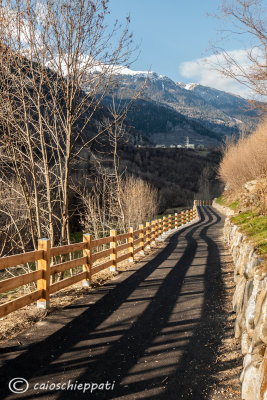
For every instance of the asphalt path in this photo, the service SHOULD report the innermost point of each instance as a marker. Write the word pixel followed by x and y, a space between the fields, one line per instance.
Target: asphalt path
pixel 152 333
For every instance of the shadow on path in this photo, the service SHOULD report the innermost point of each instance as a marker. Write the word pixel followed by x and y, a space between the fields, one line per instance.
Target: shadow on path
pixel 178 345
pixel 196 372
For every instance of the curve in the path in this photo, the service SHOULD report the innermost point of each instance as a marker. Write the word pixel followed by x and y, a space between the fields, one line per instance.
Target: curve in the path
pixel 154 331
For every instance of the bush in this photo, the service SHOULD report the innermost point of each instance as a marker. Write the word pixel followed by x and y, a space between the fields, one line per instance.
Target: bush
pixel 139 201
pixel 245 160
pixel 120 203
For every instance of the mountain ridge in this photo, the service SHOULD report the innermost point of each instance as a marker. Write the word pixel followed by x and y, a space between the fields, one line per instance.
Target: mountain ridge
pixel 219 112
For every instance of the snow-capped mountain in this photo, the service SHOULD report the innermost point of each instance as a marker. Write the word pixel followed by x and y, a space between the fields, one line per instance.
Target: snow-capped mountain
pixel 169 111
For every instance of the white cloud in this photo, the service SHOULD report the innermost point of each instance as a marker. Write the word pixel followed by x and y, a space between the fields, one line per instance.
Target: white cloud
pixel 203 71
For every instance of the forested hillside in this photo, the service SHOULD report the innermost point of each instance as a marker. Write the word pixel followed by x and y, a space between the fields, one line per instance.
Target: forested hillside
pixel 179 174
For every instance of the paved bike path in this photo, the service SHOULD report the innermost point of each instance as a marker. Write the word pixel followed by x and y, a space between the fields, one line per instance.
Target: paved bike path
pixel 150 334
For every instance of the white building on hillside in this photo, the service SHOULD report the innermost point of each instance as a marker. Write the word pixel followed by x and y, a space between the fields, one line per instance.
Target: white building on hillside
pixel 189 145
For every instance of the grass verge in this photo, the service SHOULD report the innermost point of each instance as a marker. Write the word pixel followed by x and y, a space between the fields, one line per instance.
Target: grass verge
pixel 255 227
pixel 220 200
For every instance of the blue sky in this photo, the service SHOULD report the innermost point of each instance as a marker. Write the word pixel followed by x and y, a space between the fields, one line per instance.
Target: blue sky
pixel 175 36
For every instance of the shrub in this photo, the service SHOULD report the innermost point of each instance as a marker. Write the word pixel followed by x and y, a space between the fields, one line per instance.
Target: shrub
pixel 245 160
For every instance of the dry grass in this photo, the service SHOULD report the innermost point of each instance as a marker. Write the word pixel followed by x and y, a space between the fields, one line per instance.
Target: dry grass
pixel 245 160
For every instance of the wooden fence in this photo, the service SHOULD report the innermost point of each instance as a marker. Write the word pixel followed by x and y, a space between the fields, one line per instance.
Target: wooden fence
pixel 121 247
pixel 203 202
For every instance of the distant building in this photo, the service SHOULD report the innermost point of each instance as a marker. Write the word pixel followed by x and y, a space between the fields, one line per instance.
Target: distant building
pixel 189 145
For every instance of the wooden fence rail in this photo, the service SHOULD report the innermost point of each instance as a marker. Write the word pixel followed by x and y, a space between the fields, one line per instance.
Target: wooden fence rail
pixel 121 247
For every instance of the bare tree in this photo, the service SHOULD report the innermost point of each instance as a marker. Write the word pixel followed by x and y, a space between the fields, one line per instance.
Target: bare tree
pixel 58 60
pixel 111 199
pixel 247 17
pixel 14 232
pixel 139 201
pixel 113 205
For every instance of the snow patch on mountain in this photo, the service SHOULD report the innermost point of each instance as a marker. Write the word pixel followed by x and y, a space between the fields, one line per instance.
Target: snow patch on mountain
pixel 120 70
pixel 191 86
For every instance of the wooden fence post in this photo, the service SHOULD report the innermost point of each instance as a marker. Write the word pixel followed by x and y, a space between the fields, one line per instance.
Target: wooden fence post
pixel 170 222
pixel 163 225
pixel 44 265
pixel 158 232
pixel 159 227
pixel 191 214
pixel 187 216
pixel 176 220
pixel 148 234
pixel 153 232
pixel 141 236
pixel 158 221
pixel 113 246
pixel 182 218
pixel 164 228
pixel 131 245
pixel 87 252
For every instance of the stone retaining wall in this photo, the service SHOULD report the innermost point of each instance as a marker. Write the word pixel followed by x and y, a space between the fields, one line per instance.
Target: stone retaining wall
pixel 250 306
